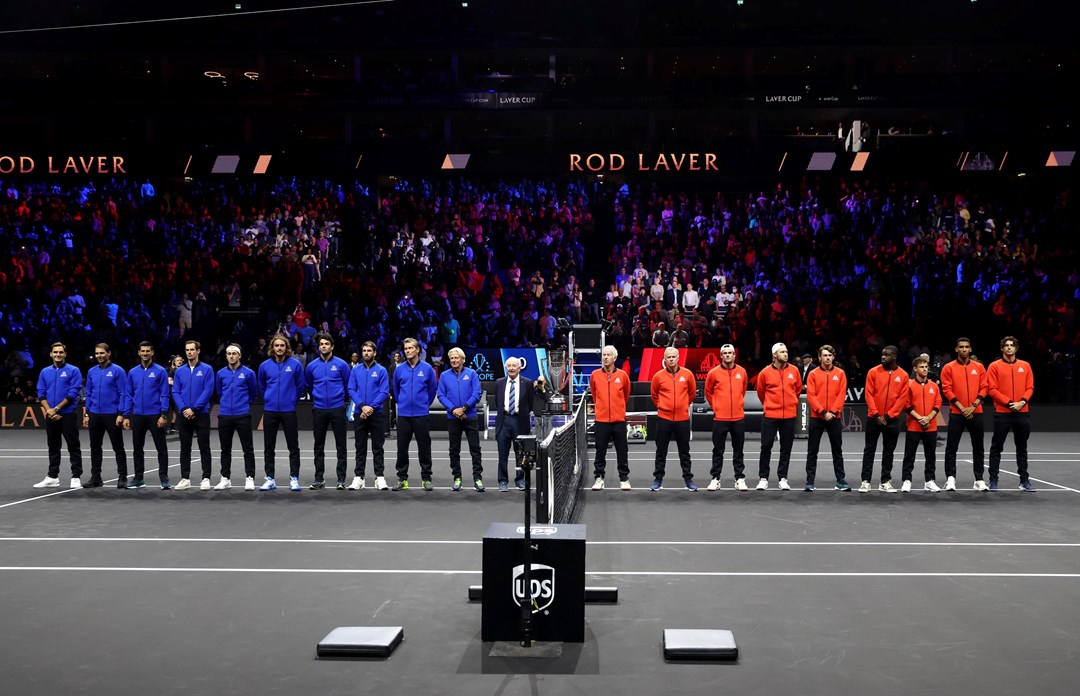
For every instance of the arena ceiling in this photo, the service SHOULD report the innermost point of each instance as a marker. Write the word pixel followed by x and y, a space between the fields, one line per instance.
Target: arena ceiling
pixel 441 24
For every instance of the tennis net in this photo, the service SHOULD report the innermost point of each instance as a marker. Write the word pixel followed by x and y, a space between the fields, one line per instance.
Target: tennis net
pixel 562 463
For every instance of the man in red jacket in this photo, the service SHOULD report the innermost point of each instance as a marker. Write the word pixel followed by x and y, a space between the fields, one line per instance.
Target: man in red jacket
pixel 610 389
pixel 673 389
pixel 725 390
pixel 826 389
pixel 1011 385
pixel 963 385
pixel 885 395
pixel 923 405
pixel 778 387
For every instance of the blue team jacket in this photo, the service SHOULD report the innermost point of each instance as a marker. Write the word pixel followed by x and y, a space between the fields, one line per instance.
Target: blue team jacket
pixel 281 384
pixel 369 386
pixel 328 382
pixel 414 388
pixel 459 389
pixel 193 387
pixel 147 391
pixel 59 383
pixel 237 389
pixel 105 388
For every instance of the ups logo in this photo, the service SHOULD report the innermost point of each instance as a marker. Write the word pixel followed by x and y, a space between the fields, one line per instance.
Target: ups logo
pixel 542 586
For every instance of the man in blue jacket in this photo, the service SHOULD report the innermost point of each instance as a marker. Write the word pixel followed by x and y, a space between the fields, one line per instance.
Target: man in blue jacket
pixel 369 388
pixel 327 379
pixel 237 386
pixel 459 392
pixel 281 382
pixel 58 392
pixel 106 384
pixel 193 385
pixel 146 409
pixel 413 387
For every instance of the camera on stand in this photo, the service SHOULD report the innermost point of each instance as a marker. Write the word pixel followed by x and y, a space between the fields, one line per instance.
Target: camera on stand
pixel 525 449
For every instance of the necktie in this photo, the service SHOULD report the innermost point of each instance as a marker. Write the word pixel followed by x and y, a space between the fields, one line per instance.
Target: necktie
pixel 512 404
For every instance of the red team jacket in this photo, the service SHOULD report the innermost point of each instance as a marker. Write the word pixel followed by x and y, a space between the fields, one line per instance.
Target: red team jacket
pixel 826 391
pixel 611 391
pixel 922 398
pixel 725 390
pixel 1010 382
pixel 885 392
pixel 779 391
pixel 964 383
pixel 673 393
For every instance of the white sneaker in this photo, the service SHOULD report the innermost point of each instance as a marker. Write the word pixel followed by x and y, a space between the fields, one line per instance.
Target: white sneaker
pixel 204 485
pixel 249 483
pixel 784 486
pixel 931 486
pixel 183 485
pixel 740 485
pixel 950 483
pixel 624 485
pixel 906 487
pixel 714 485
pixel 762 485
pixel 357 484
pixel 48 482
pixel 980 485
pixel 864 487
pixel 886 487
pixel 380 483
pixel 76 483
pixel 598 484
pixel 222 485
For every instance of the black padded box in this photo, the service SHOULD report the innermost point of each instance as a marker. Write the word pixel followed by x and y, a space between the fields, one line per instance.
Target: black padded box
pixel 699 644
pixel 360 641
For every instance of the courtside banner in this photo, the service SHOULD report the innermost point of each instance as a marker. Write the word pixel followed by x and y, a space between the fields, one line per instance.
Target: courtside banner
pixel 531 359
pixel 16 416
pixel 488 363
pixel 697 360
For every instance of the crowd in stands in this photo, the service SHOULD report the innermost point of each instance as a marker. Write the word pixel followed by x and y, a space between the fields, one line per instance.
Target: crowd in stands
pixel 498 263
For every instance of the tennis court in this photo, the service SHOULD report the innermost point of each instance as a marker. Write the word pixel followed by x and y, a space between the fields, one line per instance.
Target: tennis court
pixel 228 592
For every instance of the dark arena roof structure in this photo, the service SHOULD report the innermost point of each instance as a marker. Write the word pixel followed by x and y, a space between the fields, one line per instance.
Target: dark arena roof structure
pixel 400 83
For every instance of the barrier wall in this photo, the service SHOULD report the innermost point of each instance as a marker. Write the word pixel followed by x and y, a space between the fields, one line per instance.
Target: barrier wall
pixel 1044 417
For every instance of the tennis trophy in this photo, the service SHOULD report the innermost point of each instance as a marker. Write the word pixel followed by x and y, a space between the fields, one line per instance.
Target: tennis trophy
pixel 556 374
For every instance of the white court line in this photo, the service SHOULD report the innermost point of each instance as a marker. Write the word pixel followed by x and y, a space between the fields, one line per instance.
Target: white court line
pixel 40 497
pixel 40 453
pixel 437 457
pixel 670 490
pixel 1036 480
pixel 73 490
pixel 918 544
pixel 613 573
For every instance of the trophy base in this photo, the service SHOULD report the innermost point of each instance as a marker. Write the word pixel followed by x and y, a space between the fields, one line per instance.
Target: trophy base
pixel 557 408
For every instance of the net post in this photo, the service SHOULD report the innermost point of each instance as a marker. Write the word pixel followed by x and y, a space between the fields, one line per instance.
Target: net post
pixel 544 482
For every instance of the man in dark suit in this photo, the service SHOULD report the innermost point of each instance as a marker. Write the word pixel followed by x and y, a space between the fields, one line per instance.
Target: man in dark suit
pixel 515 400
pixel 806 363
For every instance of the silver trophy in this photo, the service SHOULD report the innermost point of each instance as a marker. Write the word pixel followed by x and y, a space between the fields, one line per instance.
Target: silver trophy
pixel 553 370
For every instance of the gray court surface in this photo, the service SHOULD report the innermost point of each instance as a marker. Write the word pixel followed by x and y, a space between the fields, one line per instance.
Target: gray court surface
pixel 108 591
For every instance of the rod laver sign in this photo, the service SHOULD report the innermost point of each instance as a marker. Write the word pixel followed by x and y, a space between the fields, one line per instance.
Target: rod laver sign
pixel 27 416
pixel 62 164
pixel 662 162
pixel 542 580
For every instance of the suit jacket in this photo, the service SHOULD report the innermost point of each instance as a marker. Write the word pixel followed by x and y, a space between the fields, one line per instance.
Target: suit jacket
pixel 528 402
